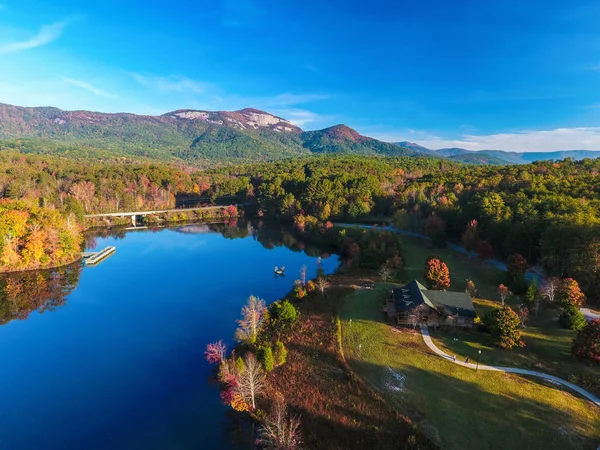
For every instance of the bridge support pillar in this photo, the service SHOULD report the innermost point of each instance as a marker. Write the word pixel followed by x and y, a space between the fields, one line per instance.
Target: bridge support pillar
pixel 133 224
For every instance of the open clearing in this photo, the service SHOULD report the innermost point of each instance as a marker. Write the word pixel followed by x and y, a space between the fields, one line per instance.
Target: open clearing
pixel 548 347
pixel 458 407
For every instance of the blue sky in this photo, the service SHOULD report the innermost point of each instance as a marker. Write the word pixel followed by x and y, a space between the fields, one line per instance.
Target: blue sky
pixel 515 75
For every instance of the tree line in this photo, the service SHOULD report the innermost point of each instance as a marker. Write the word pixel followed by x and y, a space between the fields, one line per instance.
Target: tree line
pixel 546 211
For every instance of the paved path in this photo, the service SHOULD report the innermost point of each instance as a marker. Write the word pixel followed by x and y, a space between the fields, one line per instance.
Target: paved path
pixel 551 378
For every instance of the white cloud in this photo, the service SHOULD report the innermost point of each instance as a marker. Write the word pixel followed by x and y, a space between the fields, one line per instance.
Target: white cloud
pixel 299 117
pixel 45 35
pixel 288 99
pixel 88 87
pixel 582 138
pixel 173 83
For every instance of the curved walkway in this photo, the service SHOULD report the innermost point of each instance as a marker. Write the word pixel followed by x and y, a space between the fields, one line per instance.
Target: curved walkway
pixel 551 378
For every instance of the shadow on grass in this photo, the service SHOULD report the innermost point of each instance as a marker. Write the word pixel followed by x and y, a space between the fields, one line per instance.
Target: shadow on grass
pixel 459 414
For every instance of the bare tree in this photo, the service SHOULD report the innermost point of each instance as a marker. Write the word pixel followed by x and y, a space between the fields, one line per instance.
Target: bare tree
pixel 303 275
pixel 84 191
pixel 385 272
pixel 253 314
pixel 251 382
pixel 549 289
pixel 322 285
pixel 280 431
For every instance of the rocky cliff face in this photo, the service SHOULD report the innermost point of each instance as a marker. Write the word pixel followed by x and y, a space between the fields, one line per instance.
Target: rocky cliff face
pixel 242 120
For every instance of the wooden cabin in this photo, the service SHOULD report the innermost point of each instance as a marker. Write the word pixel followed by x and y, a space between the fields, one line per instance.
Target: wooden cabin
pixel 414 303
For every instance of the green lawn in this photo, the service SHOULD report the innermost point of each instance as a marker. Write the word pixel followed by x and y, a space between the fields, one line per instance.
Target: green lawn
pixel 457 407
pixel 548 347
pixel 486 278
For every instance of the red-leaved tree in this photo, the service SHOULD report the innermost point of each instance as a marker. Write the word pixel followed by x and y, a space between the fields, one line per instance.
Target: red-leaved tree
pixel 437 275
pixel 485 250
pixel 215 352
pixel 516 265
pixel 504 293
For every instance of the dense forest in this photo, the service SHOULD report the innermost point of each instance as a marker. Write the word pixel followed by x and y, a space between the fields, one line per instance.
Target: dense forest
pixel 35 237
pixel 546 211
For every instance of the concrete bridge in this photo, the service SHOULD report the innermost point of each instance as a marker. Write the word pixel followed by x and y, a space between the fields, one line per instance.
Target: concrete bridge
pixel 135 214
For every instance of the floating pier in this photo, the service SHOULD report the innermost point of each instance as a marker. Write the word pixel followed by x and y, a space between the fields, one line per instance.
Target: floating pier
pixel 93 258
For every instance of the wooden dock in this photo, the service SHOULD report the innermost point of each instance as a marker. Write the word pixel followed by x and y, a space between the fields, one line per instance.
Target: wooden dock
pixel 93 258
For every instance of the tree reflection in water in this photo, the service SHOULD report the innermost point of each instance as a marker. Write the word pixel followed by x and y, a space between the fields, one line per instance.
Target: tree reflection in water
pixel 40 290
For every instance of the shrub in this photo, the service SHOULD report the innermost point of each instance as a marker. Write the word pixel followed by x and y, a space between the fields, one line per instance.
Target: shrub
pixel 283 314
pixel 280 353
pixel 265 356
pixel 586 344
pixel 239 365
pixel 531 294
pixel 572 319
pixel 300 292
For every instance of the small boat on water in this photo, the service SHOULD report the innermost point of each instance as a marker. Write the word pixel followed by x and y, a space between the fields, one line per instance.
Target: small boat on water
pixel 279 271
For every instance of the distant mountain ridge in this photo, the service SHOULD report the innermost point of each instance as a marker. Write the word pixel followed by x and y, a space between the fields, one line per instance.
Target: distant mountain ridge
pixel 500 156
pixel 208 137
pixel 184 135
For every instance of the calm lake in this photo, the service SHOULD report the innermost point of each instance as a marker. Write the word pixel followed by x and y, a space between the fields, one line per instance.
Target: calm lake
pixel 111 357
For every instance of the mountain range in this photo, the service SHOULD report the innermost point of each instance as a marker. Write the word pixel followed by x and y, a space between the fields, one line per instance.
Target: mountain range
pixel 182 135
pixel 499 156
pixel 208 137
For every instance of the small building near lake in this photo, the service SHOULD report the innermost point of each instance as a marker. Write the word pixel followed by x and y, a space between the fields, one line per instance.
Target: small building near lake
pixel 414 303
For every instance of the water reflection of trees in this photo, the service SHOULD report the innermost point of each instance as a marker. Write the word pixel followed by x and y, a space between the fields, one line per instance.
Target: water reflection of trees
pixel 42 290
pixel 270 235
pixel 274 234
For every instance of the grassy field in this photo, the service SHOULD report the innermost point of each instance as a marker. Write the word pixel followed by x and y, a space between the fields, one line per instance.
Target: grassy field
pixel 456 407
pixel 548 347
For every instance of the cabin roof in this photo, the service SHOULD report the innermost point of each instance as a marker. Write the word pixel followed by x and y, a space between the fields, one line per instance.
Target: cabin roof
pixel 415 294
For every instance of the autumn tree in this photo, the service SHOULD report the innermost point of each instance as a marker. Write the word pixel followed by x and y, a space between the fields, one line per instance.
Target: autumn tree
pixel 251 383
pixel 504 293
pixel 253 314
pixel 484 250
pixel 437 275
pixel 471 289
pixel 215 352
pixel 569 293
pixel 586 345
pixel 516 267
pixel 503 326
pixel 280 431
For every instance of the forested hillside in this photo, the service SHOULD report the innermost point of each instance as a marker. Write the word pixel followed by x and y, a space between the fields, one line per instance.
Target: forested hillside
pixel 201 138
pixel 548 212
